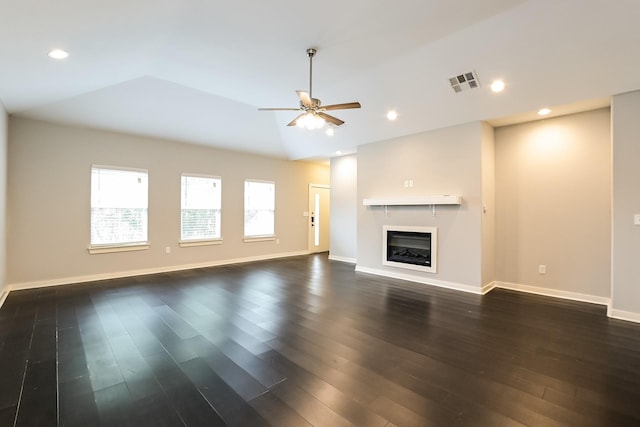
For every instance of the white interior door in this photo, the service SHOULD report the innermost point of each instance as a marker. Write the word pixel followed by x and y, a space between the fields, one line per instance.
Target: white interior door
pixel 319 218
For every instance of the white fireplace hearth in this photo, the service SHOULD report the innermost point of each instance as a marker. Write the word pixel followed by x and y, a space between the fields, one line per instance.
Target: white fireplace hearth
pixel 410 247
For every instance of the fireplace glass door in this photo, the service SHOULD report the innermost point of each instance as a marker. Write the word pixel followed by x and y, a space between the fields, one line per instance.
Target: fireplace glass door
pixel 409 247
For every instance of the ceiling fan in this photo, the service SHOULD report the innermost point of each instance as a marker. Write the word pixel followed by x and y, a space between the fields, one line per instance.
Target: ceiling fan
pixel 313 112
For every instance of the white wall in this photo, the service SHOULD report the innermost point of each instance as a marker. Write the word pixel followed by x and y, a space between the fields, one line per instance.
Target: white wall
pixel 4 121
pixel 625 277
pixel 445 161
pixel 344 208
pixel 49 199
pixel 553 198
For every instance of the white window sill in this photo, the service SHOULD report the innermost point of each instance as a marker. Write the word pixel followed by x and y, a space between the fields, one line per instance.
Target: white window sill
pixel 106 249
pixel 259 238
pixel 190 243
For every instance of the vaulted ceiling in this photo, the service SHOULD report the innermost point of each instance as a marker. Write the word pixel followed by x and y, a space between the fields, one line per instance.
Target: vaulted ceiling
pixel 197 70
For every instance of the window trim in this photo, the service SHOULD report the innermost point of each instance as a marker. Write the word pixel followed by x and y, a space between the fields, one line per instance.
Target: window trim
pixel 199 242
pixel 119 247
pixel 265 238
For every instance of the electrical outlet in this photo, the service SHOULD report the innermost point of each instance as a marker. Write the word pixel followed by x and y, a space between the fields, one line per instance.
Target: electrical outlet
pixel 542 269
pixel 167 250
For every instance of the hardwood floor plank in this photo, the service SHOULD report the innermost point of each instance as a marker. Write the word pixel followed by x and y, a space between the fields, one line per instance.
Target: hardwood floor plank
pixel 350 385
pixel 401 416
pixel 232 407
pixel 277 413
pixel 39 401
pixel 114 404
pixel 256 367
pixel 156 410
pixel 310 408
pixel 77 406
pixel 232 374
pixel 341 403
pixel 598 415
pixel 519 406
pixel 7 415
pixel 177 324
pixel 13 372
pixel 183 394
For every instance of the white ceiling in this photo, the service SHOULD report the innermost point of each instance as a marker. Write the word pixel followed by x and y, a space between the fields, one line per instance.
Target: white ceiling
pixel 197 70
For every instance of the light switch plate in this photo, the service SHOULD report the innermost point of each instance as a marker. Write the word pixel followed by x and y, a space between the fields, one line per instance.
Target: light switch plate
pixel 636 219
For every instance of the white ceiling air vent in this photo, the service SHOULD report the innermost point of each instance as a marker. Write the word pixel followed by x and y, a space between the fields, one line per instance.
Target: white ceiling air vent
pixel 464 81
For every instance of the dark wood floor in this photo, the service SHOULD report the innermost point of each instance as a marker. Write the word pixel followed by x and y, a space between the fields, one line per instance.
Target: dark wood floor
pixel 306 341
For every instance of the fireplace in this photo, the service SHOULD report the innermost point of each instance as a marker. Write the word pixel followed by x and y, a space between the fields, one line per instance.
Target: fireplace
pixel 413 248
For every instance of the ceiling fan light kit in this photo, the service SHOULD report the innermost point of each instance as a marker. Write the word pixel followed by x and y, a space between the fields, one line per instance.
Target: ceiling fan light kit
pixel 313 114
pixel 310 121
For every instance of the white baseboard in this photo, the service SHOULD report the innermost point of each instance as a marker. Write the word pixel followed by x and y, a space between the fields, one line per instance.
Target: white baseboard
pixel 143 272
pixel 488 288
pixel 3 296
pixel 574 296
pixel 342 259
pixel 424 280
pixel 629 316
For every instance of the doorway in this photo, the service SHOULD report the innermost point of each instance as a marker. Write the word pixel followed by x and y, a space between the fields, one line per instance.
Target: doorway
pixel 319 218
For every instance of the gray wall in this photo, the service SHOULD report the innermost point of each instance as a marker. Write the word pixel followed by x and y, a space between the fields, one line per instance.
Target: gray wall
pixel 4 119
pixel 344 208
pixel 553 192
pixel 488 166
pixel 445 161
pixel 49 199
pixel 625 276
pixel 534 193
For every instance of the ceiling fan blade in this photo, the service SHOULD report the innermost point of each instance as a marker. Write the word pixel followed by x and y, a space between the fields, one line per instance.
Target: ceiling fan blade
pixel 293 122
pixel 279 109
pixel 305 98
pixel 336 121
pixel 344 106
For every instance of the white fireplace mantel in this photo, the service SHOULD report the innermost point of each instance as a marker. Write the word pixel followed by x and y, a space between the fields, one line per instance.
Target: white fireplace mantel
pixel 446 199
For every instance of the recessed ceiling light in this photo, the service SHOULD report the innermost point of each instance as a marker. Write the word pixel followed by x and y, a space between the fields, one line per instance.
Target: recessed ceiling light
pixel 392 115
pixel 58 54
pixel 330 131
pixel 497 86
pixel 543 111
pixel 338 153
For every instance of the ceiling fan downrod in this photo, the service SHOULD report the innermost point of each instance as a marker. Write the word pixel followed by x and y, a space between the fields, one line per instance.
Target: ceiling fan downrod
pixel 311 53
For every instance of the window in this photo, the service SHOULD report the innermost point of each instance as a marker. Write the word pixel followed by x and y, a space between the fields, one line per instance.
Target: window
pixel 119 202
pixel 200 207
pixel 259 208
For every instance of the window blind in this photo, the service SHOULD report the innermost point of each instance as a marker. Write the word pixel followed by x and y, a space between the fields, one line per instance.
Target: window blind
pixel 201 200
pixel 119 206
pixel 259 208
